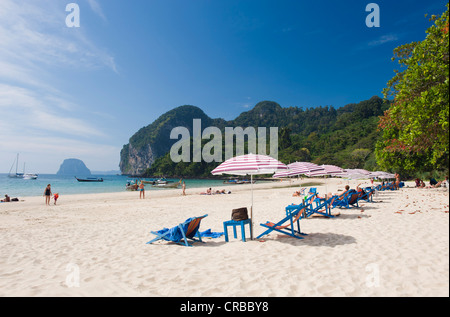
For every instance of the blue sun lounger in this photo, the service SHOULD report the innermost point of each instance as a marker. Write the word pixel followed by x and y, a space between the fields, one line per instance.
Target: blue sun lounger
pixel 323 207
pixel 286 225
pixel 181 233
pixel 350 198
pixel 368 194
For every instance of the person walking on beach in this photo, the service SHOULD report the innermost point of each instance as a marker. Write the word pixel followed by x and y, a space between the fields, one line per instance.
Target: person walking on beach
pixel 184 188
pixel 48 194
pixel 142 190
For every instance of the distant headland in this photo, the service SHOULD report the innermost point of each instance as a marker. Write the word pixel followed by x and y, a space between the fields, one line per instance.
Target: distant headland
pixel 73 167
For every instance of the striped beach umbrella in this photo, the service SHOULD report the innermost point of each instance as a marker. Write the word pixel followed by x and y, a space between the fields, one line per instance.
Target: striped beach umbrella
pixel 250 164
pixel 354 174
pixel 358 171
pixel 326 170
pixel 299 168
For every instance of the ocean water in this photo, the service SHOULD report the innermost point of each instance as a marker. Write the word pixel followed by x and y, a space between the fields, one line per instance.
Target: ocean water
pixel 68 185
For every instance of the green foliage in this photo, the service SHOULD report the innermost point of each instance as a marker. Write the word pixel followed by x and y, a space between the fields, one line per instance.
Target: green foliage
pixel 415 130
pixel 345 137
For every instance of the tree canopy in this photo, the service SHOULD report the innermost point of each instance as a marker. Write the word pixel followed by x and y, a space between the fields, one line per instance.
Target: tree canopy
pixel 415 129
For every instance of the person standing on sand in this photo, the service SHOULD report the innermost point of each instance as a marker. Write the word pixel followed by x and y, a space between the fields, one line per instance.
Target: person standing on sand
pixel 142 190
pixel 397 181
pixel 48 194
pixel 184 188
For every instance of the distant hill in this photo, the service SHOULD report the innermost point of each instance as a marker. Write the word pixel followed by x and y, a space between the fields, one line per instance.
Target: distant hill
pixel 73 167
pixel 345 136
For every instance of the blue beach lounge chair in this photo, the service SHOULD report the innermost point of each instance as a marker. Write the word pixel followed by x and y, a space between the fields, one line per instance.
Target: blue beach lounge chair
pixel 323 207
pixel 286 225
pixel 350 198
pixel 181 233
pixel 367 195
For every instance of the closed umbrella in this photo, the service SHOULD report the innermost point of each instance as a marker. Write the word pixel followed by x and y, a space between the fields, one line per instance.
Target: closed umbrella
pixel 250 164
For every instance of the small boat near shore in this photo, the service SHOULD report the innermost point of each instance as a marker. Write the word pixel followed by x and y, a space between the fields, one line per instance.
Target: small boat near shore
pixel 161 181
pixel 21 175
pixel 90 180
pixel 167 185
pixel 30 176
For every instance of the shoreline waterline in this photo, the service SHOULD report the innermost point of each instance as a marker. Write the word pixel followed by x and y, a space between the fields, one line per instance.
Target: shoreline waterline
pixel 68 185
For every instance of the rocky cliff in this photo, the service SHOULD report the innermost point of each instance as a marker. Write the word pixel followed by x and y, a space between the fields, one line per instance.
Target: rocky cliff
pixel 153 141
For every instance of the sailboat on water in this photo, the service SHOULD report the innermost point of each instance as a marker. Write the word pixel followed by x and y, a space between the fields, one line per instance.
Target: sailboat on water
pixel 20 175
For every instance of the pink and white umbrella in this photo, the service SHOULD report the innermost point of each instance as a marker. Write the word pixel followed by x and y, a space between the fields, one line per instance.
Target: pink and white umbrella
pixel 354 174
pixel 358 171
pixel 326 170
pixel 250 164
pixel 299 168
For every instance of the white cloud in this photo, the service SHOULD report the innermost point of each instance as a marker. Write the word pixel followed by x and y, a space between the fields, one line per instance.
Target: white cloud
pixel 36 117
pixel 95 6
pixel 40 114
pixel 384 39
pixel 36 36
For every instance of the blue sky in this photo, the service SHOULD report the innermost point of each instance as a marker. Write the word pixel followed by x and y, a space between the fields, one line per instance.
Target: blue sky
pixel 83 92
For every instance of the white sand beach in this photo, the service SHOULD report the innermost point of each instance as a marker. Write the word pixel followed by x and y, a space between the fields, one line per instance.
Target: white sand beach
pixel 95 245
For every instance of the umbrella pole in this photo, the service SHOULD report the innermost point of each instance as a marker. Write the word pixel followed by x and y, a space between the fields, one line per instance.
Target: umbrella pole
pixel 251 210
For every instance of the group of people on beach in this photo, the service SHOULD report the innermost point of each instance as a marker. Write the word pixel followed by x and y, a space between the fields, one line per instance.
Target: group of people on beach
pixel 141 189
pixel 48 195
pixel 209 191
pixel 338 196
pixel 8 199
pixel 433 183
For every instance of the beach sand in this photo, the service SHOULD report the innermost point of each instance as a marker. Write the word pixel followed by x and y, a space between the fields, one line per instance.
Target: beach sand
pixel 95 245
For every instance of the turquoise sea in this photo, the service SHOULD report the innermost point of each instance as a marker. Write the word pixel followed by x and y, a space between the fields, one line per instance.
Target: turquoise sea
pixel 68 185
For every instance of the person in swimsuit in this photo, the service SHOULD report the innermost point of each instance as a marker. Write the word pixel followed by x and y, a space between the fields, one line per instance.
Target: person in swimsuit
pixel 48 194
pixel 142 190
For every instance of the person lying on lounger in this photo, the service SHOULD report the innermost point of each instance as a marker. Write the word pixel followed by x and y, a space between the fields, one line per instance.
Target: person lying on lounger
pixel 340 197
pixel 360 190
pixel 435 184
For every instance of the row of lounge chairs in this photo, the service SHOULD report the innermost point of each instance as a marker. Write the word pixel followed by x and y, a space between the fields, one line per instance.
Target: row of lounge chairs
pixel 289 225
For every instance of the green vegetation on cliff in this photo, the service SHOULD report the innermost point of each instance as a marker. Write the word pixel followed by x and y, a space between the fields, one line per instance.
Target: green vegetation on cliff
pixel 345 136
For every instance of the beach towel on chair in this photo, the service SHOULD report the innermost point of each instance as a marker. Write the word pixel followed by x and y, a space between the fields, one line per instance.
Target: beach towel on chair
pixel 209 234
pixel 180 233
pixel 173 234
